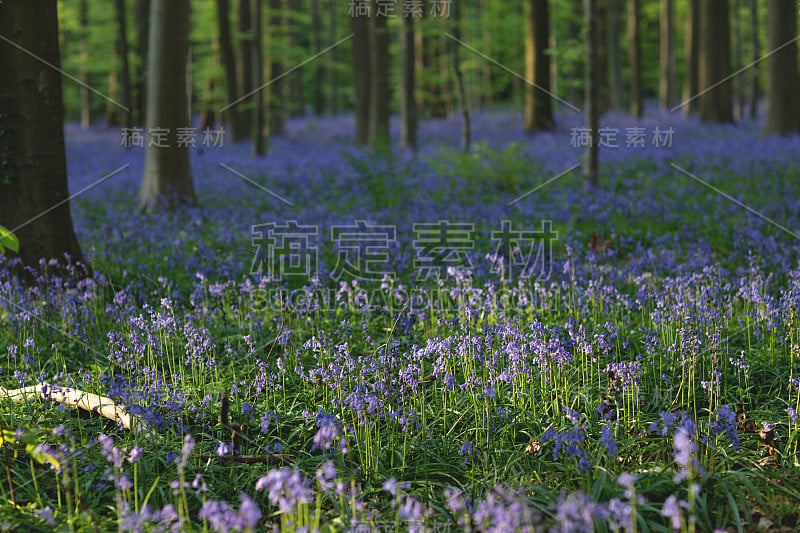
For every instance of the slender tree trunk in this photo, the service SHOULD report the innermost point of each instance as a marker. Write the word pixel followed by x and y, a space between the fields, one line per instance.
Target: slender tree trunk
pixel 361 76
pixel 319 65
pixel 379 77
pixel 244 62
pixel 601 15
pixel 538 112
pixel 667 65
pixel 86 103
pixel 692 49
pixel 617 93
pixel 783 78
pixel 257 133
pixel 125 76
pixel 716 104
pixel 592 156
pixel 231 116
pixel 111 108
pixel 754 70
pixel 276 92
pixel 459 81
pixel 486 67
pixel 294 81
pixel 208 116
pixel 635 58
pixel 33 168
pixel 737 61
pixel 333 60
pixel 167 178
pixel 408 104
pixel 142 29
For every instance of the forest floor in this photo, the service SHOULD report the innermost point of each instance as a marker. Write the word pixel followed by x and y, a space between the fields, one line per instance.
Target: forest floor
pixel 435 341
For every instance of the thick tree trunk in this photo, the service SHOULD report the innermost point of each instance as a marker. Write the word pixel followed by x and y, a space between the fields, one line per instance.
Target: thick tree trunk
pixel 379 77
pixel 538 111
pixel 692 50
pixel 167 178
pixel 574 73
pixel 276 92
pixel 244 62
pixel 666 56
pixel 635 57
pixel 783 79
pixel 592 158
pixel 615 88
pixel 754 70
pixel 408 104
pixel 361 76
pixel 142 37
pixel 231 116
pixel 257 131
pixel 86 103
pixel 125 72
pixel 33 171
pixel 716 104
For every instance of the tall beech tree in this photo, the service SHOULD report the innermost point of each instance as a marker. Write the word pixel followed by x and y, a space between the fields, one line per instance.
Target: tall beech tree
pixel 716 97
pixel 167 178
pixel 783 79
pixel 33 169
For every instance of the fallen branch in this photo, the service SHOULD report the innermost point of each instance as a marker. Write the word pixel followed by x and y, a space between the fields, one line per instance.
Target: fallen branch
pixel 94 403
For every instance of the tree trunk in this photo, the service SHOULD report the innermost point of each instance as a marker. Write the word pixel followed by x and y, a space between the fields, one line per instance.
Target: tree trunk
pixel 601 15
pixel 333 60
pixel 737 61
pixel 319 65
pixel 459 81
pixel 408 104
pixel 666 56
pixel 538 112
pixel 361 75
pixel 125 76
pixel 142 29
pixel 232 115
pixel 716 105
pixel 167 178
pixel 615 89
pixel 208 117
pixel 111 107
pixel 276 92
pixel 86 103
pixel 257 133
pixel 244 62
pixel 486 67
pixel 692 50
pixel 379 77
pixel 756 55
pixel 294 80
pixel 592 103
pixel 635 57
pixel 33 170
pixel 783 79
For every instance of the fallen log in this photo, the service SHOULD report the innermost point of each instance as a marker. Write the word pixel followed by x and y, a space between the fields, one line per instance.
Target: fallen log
pixel 94 403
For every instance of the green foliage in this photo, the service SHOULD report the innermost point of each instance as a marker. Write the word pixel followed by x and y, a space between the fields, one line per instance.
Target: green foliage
pixel 8 240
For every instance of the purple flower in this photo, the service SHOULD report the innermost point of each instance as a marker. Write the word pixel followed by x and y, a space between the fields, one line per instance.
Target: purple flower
pixel 326 474
pixel 672 510
pixel 46 514
pixel 223 449
pixel 136 452
pixel 249 512
pixel 608 440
